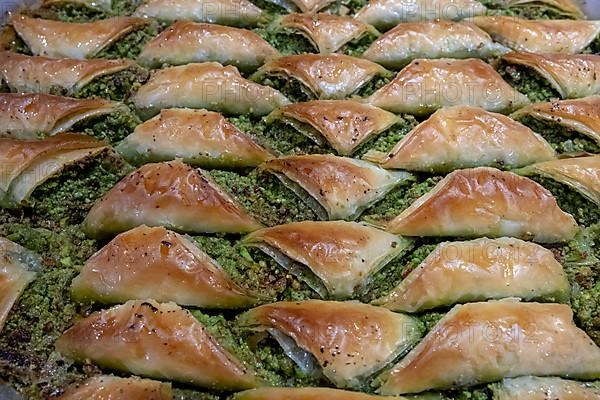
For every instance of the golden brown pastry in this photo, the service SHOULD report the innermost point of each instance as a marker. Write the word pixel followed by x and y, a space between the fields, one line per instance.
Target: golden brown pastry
pixel 486 202
pixel 78 40
pixel 581 174
pixel 344 124
pixel 18 268
pixel 580 115
pixel 326 76
pixel 480 269
pixel 187 42
pixel 34 74
pixel 484 342
pixel 384 14
pixel 29 163
pixel 426 85
pixel 537 388
pixel 29 116
pixel 198 137
pixel 224 12
pixel 540 36
pixel 158 340
pixel 206 85
pixel 342 255
pixel 160 264
pixel 351 341
pixel 465 136
pixel 334 187
pixel 431 39
pixel 327 33
pixel 108 387
pixel 572 76
pixel 170 194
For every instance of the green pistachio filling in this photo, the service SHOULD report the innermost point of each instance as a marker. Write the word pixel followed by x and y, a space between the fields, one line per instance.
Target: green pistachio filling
pixel 284 139
pixel 581 260
pixel 585 211
pixel 254 270
pixel 388 277
pixel 526 11
pixel 279 137
pixel 528 81
pixel 264 197
pixel 78 12
pixel 118 86
pixel 296 92
pixel 113 127
pixel 562 139
pixel 290 41
pixel 373 85
pixel 286 41
pixel 67 198
pixel 399 199
pixel 130 45
pixel 44 310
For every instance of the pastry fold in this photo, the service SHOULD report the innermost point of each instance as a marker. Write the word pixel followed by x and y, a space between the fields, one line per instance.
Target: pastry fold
pixel 78 40
pixel 431 39
pixel 462 137
pixel 29 163
pixel 538 388
pixel 334 187
pixel 170 194
pixel 224 12
pixel 327 33
pixel 572 76
pixel 342 255
pixel 114 388
pixel 484 342
pixel 206 85
pixel 187 42
pixel 36 74
pixel 486 202
pixel 425 85
pixel 198 137
pixel 581 174
pixel 18 268
pixel 481 269
pixel 157 263
pixel 29 116
pixel 540 36
pixel 325 76
pixel 350 341
pixel 385 14
pixel 580 115
pixel 157 340
pixel 343 124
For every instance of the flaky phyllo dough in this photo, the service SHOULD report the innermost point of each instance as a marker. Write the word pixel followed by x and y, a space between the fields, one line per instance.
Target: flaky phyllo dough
pixel 425 85
pixel 72 40
pixel 465 136
pixel 207 85
pixel 486 202
pixel 572 76
pixel 37 74
pixel 171 194
pixel 158 340
pixel 485 342
pixel 327 33
pixel 28 116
